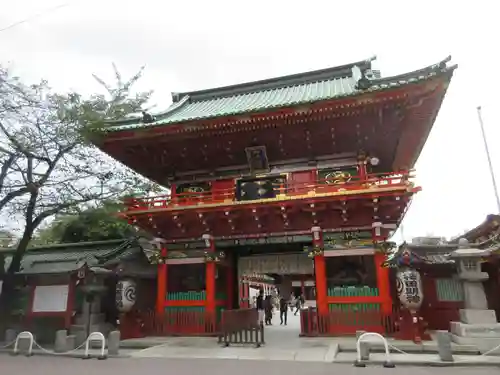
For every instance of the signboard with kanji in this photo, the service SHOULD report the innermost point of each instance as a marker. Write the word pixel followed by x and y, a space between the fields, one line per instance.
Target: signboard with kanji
pixel 409 288
pixel 347 239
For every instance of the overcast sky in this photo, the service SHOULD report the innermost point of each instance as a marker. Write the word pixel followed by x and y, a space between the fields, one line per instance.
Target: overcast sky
pixel 199 44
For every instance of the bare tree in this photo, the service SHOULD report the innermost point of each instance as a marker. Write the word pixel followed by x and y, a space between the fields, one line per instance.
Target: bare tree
pixel 48 165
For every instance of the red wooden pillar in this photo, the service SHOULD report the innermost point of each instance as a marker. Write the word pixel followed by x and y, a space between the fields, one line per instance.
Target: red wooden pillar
pixel 161 289
pixel 362 160
pixel 383 282
pixel 210 292
pixel 230 285
pixel 320 272
pixel 244 293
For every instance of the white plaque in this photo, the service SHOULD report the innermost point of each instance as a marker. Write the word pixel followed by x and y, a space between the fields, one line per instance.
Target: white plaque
pixel 51 298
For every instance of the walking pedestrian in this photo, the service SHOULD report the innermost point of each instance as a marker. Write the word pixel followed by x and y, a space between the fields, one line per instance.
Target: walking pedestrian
pixel 298 304
pixel 283 310
pixel 259 304
pixel 268 308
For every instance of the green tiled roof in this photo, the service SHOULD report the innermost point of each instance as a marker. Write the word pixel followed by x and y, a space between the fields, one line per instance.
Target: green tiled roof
pixel 287 91
pixel 63 258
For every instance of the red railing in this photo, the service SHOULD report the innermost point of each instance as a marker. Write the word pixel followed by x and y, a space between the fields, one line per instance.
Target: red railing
pixel 344 323
pixel 179 323
pixel 320 186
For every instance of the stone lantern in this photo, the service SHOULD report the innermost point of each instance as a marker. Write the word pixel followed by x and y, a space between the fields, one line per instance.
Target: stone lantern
pixel 478 325
pixel 469 272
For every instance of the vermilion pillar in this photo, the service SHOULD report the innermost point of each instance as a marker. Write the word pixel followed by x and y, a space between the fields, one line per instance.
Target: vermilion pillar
pixel 244 293
pixel 362 167
pixel 210 292
pixel 161 290
pixel 230 284
pixel 383 282
pixel 320 272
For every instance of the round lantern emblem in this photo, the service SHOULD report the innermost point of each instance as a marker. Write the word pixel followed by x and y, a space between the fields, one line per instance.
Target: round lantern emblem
pixel 125 295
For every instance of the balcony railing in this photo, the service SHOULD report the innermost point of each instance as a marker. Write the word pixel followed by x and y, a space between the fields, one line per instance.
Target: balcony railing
pixel 320 187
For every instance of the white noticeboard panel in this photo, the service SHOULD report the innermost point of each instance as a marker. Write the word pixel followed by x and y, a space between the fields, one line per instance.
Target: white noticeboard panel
pixel 51 298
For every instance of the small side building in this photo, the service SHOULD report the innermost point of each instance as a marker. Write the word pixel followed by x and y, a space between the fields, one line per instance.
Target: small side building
pixel 79 286
pixel 442 291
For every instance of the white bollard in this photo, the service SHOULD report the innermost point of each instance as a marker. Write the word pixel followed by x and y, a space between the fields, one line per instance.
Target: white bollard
pixel 95 336
pixel 24 335
pixel 359 363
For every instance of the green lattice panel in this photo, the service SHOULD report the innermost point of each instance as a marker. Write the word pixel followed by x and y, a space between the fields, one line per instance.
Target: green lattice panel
pixel 354 307
pixel 353 291
pixel 186 296
pixel 193 296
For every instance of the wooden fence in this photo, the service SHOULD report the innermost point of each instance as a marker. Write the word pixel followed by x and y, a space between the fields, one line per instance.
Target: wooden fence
pixel 345 323
pixel 179 323
pixel 241 326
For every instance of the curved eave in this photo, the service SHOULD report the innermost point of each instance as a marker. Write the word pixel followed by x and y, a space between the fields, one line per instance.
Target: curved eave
pixel 482 229
pixel 378 85
pixel 136 121
pixel 415 138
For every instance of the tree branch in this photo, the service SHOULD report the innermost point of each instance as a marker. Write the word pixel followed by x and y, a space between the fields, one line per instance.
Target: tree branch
pixel 4 171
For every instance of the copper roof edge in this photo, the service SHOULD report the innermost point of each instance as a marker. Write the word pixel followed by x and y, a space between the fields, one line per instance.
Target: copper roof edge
pixel 274 82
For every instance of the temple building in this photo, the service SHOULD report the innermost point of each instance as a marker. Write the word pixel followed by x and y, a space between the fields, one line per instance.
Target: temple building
pixel 298 179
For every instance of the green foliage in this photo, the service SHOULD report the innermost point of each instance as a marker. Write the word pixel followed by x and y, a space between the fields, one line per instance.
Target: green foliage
pixel 94 224
pixel 7 238
pixel 48 166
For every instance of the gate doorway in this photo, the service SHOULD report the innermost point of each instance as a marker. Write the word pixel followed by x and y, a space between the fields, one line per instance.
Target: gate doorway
pixel 281 271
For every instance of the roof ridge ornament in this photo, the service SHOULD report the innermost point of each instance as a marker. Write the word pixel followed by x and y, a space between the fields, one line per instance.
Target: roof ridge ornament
pixel 363 83
pixel 147 118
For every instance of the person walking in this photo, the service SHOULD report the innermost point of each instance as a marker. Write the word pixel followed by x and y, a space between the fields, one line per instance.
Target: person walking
pixel 283 310
pixel 259 305
pixel 268 308
pixel 298 304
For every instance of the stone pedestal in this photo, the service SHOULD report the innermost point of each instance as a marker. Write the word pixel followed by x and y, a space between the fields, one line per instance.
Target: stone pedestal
pixel 10 336
pixel 114 343
pixel 444 346
pixel 478 326
pixel 60 345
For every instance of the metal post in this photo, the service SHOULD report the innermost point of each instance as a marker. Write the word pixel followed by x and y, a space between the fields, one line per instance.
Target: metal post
pixel 486 149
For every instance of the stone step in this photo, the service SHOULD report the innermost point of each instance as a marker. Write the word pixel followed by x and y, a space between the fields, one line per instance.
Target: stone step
pixel 476 330
pixel 484 344
pixel 471 316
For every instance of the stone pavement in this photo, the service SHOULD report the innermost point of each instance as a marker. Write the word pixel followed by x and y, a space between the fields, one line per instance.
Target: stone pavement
pixel 283 344
pixel 156 366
